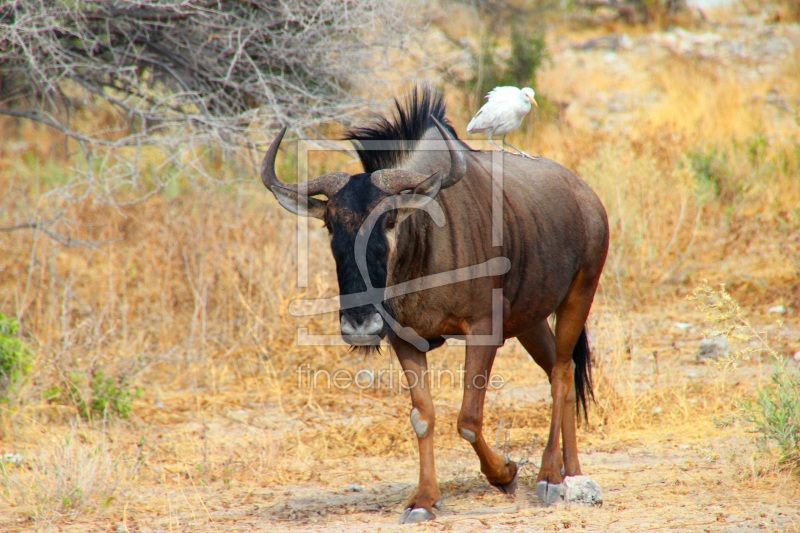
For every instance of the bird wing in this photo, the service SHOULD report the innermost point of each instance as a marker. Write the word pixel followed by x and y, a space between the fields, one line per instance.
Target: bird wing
pixel 502 113
pixel 504 94
pixel 479 122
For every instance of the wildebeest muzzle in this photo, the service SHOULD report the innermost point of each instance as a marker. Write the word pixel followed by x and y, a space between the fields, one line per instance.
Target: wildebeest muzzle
pixel 362 329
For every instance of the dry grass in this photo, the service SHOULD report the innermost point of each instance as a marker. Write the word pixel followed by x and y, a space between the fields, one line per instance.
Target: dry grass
pixel 189 299
pixel 76 473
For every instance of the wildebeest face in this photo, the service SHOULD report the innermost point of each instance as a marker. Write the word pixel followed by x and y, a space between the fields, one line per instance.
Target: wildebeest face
pixel 361 213
pixel 360 247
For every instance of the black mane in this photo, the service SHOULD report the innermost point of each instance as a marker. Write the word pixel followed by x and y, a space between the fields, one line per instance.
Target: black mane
pixel 385 142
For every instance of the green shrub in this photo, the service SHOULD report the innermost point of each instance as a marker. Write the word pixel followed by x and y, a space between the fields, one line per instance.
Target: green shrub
pixel 528 55
pixel 111 396
pixel 16 357
pixel 108 396
pixel 713 175
pixel 775 414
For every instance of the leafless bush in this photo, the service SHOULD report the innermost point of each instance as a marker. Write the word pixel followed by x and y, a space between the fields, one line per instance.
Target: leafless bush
pixel 206 64
pixel 170 81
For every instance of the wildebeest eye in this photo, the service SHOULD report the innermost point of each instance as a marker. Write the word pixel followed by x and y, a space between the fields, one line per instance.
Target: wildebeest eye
pixel 390 222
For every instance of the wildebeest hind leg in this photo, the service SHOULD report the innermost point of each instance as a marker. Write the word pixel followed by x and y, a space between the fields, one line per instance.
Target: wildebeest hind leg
pixel 478 366
pixel 571 318
pixel 419 507
pixel 540 343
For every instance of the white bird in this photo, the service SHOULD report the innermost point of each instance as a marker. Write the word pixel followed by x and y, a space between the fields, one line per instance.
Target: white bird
pixel 503 113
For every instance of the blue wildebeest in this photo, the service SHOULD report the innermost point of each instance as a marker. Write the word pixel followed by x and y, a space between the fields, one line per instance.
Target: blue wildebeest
pixel 420 219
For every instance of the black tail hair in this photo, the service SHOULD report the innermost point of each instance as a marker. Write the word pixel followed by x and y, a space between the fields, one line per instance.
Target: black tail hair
pixel 398 134
pixel 582 357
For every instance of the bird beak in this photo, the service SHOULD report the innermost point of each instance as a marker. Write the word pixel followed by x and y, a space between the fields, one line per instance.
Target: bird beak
pixel 533 101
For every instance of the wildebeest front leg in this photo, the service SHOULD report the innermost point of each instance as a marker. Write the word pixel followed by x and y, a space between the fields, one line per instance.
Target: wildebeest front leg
pixel 478 367
pixel 415 367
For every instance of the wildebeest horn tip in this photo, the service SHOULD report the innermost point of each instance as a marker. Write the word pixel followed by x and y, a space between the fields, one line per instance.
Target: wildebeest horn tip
pixel 268 176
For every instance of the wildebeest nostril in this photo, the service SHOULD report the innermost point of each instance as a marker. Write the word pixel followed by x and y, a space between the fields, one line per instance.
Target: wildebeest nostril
pixel 347 325
pixel 370 324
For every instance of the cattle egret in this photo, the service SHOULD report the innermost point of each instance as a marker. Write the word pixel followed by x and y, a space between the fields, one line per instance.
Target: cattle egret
pixel 503 113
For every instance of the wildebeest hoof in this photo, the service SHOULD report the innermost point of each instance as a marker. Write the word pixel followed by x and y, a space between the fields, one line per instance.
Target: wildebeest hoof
pixel 508 488
pixel 549 493
pixel 415 516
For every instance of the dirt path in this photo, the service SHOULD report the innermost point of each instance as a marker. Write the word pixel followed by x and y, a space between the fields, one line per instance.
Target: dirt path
pixel 664 481
pixel 649 486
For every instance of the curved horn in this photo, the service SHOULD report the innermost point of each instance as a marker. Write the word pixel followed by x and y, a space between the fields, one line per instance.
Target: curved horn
pixel 268 176
pixel 327 184
pixel 394 180
pixel 458 163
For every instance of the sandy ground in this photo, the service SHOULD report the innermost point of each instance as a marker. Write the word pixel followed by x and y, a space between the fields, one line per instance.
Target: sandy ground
pixel 649 485
pixel 682 479
pixel 686 473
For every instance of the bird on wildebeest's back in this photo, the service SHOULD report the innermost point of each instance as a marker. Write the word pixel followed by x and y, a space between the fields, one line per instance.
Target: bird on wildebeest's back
pixel 503 113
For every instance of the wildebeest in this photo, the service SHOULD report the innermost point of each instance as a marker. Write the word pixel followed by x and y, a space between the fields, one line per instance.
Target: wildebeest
pixel 420 220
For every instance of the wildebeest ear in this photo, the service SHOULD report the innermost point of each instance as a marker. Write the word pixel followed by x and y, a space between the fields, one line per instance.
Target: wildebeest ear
pixel 304 206
pixel 419 196
pixel 431 186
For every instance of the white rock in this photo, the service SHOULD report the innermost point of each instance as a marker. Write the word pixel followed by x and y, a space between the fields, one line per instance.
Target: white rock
pixel 777 309
pixel 582 489
pixel 12 458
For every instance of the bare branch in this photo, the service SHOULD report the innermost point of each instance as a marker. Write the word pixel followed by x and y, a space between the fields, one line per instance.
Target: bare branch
pixel 185 79
pixel 212 62
pixel 64 240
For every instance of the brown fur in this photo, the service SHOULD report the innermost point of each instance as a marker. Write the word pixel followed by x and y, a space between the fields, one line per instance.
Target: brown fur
pixel 555 235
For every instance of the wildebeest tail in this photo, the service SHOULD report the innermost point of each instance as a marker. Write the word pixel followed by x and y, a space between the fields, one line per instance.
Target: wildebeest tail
pixel 582 358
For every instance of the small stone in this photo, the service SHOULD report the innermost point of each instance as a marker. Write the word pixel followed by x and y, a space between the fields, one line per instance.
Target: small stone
pixel 777 310
pixel 582 489
pixel 713 349
pixel 683 326
pixel 12 458
pixel 796 356
pixel 657 410
pixel 607 42
pixel 121 528
pixel 354 488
